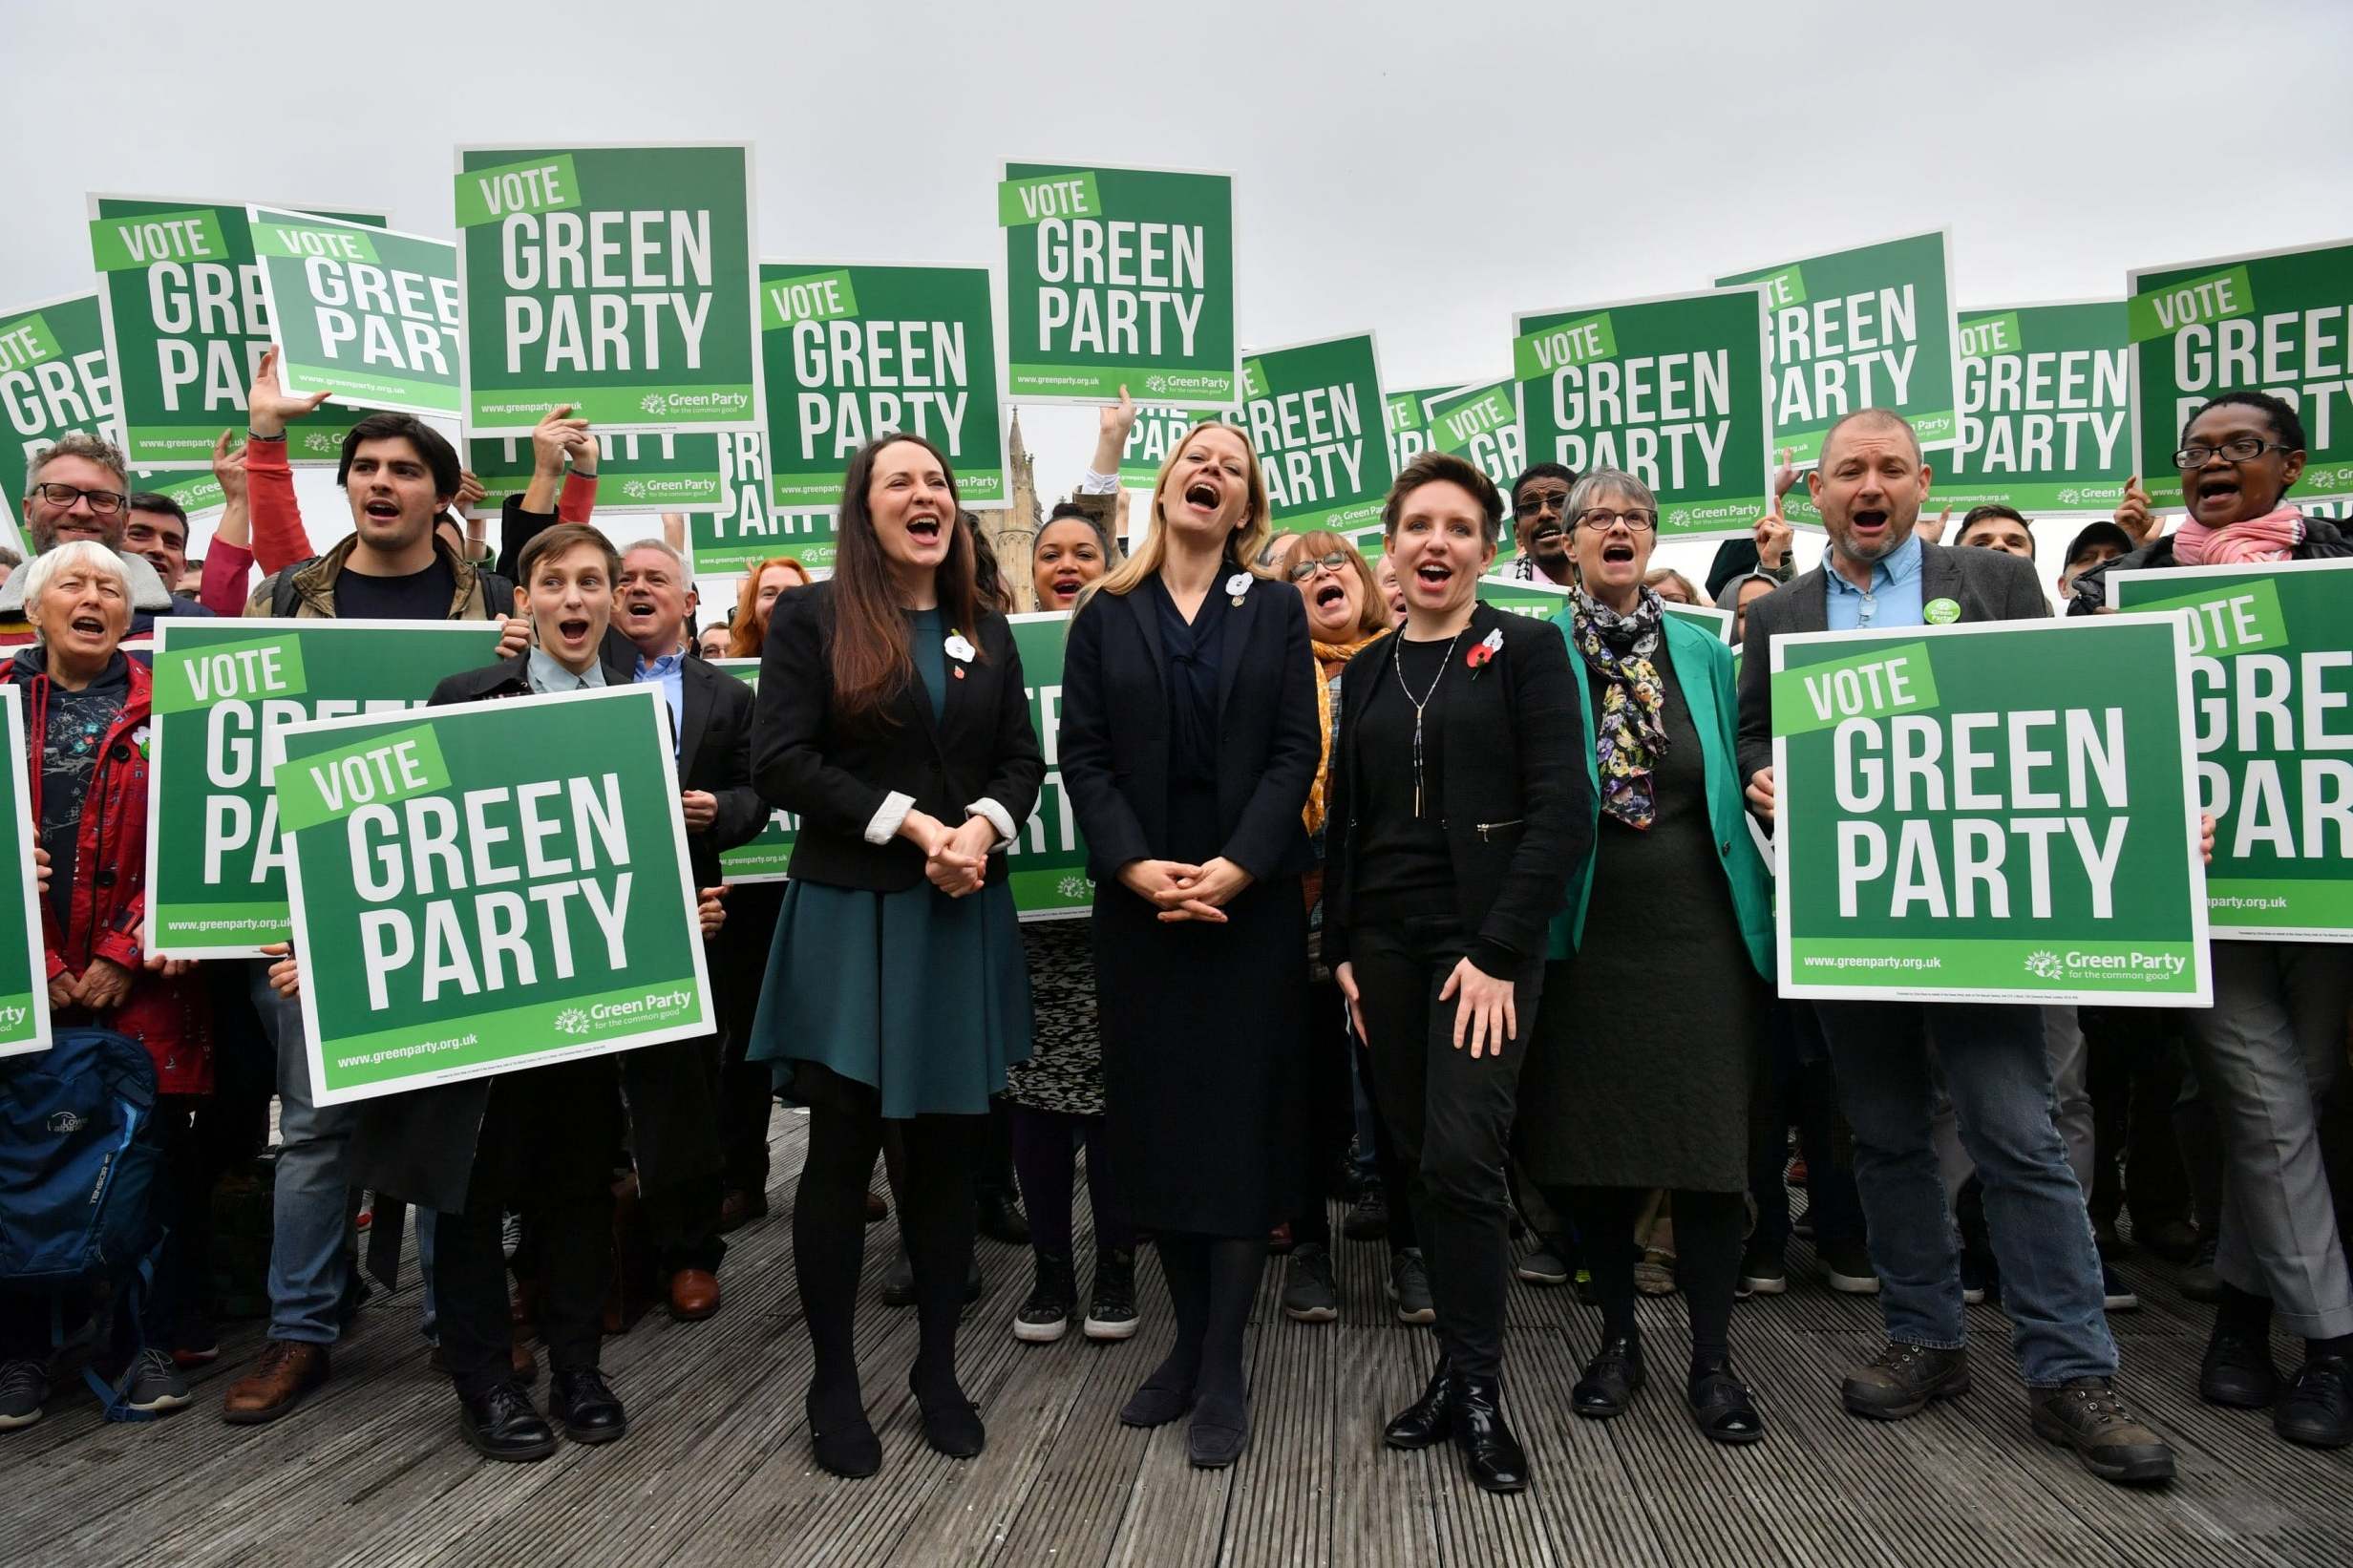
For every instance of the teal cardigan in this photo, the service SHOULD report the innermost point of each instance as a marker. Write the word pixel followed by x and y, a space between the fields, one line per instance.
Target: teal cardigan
pixel 1704 669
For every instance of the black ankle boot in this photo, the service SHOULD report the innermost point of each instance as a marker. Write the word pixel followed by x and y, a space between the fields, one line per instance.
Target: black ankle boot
pixel 1721 1403
pixel 1612 1378
pixel 1423 1422
pixel 1474 1414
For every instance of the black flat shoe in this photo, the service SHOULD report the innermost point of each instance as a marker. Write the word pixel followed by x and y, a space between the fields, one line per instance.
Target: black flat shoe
pixel 1163 1398
pixel 586 1406
pixel 1422 1423
pixel 843 1441
pixel 2317 1408
pixel 1493 1456
pixel 1612 1378
pixel 951 1422
pixel 1219 1434
pixel 503 1425
pixel 2238 1371
pixel 1723 1405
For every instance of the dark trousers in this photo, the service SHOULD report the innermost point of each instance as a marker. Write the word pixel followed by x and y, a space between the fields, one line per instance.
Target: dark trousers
pixel 1802 1091
pixel 746 1089
pixel 682 1217
pixel 1046 1146
pixel 1452 1117
pixel 1331 1106
pixel 2135 1076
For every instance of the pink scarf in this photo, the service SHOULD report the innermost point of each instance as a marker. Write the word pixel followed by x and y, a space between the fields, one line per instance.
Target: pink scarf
pixel 2272 537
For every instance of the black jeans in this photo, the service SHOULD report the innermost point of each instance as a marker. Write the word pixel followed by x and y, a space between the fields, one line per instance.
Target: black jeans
pixel 682 1215
pixel 1450 1117
pixel 1802 1091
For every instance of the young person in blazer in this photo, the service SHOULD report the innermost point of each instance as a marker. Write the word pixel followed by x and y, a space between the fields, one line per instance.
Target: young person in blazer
pixel 1878 572
pixel 1457 818
pixel 893 720
pixel 1189 743
pixel 1635 1084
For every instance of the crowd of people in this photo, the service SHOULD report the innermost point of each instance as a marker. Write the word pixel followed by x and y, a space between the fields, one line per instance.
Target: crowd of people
pixel 1398 898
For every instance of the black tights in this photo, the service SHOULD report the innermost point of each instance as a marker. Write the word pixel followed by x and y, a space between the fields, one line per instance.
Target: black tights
pixel 1707 1240
pixel 1211 1280
pixel 829 1239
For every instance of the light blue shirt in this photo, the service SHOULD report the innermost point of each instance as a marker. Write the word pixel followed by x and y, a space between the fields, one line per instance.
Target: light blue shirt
pixel 665 669
pixel 547 677
pixel 1892 599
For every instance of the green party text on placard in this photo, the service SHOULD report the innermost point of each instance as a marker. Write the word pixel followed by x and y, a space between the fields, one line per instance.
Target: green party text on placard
pixel 300 242
pixel 1484 414
pixel 117 245
pixel 1540 353
pixel 1983 336
pixel 1024 201
pixel 255 672
pixel 502 190
pixel 332 785
pixel 2236 620
pixel 810 296
pixel 27 342
pixel 2193 301
pixel 1870 686
pixel 2044 411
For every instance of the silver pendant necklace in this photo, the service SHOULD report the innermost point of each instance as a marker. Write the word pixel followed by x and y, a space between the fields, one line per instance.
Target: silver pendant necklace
pixel 1422 702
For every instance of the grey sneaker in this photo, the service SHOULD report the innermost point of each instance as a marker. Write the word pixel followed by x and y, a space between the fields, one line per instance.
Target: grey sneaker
pixel 1408 1287
pixel 1542 1267
pixel 1308 1294
pixel 23 1386
pixel 152 1384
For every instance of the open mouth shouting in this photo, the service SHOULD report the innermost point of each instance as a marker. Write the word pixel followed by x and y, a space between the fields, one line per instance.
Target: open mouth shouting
pixel 1430 580
pixel 927 529
pixel 1617 552
pixel 1204 498
pixel 573 632
pixel 639 608
pixel 89 625
pixel 1869 525
pixel 1331 596
pixel 2217 492
pixel 1064 587
pixel 381 509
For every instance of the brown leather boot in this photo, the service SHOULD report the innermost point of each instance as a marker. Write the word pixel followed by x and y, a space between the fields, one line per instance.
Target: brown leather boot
pixel 287 1371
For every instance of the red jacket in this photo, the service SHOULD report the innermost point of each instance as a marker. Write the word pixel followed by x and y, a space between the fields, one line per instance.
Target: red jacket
pixel 172 1018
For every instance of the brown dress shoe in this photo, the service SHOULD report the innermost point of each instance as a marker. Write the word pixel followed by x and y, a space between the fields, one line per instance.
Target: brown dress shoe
pixel 739 1207
pixel 694 1294
pixel 877 1210
pixel 287 1371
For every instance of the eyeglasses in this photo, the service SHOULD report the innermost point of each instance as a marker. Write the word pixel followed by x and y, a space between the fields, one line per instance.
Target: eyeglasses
pixel 1541 501
pixel 1304 570
pixel 1600 519
pixel 104 502
pixel 2244 449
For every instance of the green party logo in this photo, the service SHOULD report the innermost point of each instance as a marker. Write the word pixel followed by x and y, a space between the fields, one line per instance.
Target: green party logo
pixel 26 343
pixel 1941 613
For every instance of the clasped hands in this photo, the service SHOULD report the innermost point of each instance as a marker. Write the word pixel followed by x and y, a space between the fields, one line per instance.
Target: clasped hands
pixel 956 860
pixel 1186 892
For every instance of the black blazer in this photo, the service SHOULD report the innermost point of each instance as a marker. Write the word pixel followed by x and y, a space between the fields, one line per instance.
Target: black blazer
pixel 1115 731
pixel 835 772
pixel 1988 585
pixel 1519 813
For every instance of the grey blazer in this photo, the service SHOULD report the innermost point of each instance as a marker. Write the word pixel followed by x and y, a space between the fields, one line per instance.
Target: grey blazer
pixel 1988 585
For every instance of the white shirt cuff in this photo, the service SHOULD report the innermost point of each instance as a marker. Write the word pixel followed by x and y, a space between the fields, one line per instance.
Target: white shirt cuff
pixel 888 817
pixel 997 817
pixel 1092 484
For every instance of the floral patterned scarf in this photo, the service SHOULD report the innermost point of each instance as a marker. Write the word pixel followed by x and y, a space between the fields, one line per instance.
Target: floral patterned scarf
pixel 1630 731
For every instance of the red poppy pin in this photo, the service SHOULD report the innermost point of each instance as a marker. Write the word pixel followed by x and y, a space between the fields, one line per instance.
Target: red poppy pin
pixel 1483 652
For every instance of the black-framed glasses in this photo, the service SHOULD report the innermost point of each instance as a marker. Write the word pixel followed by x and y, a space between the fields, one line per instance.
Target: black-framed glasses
pixel 1304 569
pixel 1536 501
pixel 2242 449
pixel 104 502
pixel 1600 519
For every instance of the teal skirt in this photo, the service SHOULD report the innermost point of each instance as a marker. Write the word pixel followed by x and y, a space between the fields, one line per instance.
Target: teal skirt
pixel 922 998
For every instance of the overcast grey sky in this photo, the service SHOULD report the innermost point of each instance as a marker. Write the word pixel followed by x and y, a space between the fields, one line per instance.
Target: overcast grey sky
pixel 1422 170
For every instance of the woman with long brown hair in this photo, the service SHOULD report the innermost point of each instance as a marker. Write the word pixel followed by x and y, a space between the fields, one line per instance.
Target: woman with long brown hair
pixel 893 720
pixel 756 600
pixel 1189 745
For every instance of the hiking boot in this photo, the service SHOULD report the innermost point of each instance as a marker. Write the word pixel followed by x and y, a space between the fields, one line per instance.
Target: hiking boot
pixel 281 1379
pixel 584 1405
pixel 1111 1308
pixel 23 1386
pixel 1762 1271
pixel 1901 1379
pixel 2199 1282
pixel 1543 1266
pixel 1408 1287
pixel 2317 1407
pixel 1368 1219
pixel 1054 1299
pixel 2115 1293
pixel 1846 1265
pixel 1308 1294
pixel 503 1423
pixel 2238 1371
pixel 152 1384
pixel 2115 1443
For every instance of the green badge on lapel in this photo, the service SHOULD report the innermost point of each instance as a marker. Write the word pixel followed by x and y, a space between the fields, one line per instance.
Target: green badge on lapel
pixel 1941 613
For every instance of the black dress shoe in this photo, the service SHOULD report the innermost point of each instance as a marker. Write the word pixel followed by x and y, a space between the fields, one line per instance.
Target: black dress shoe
pixel 2238 1370
pixel 841 1437
pixel 1613 1377
pixel 587 1406
pixel 1722 1404
pixel 2316 1410
pixel 1162 1398
pixel 1219 1431
pixel 501 1423
pixel 951 1422
pixel 1000 1218
pixel 1474 1414
pixel 1422 1423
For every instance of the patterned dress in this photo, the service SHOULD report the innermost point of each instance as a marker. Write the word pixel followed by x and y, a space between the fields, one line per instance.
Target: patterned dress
pixel 1065 1069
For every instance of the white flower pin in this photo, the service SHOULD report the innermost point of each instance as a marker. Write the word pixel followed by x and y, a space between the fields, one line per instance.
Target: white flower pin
pixel 1495 640
pixel 1239 584
pixel 958 648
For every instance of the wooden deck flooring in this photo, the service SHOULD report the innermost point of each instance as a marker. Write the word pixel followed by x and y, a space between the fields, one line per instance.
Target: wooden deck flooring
pixel 715 1469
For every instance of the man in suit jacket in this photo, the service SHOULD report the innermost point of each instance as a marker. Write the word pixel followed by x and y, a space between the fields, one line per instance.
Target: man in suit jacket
pixel 1877 573
pixel 672 1090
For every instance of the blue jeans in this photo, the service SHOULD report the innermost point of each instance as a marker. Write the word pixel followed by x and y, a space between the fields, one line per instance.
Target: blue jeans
pixel 314 1168
pixel 1997 1071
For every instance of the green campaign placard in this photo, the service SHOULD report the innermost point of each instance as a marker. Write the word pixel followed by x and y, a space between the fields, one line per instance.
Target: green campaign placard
pixel 489 887
pixel 54 377
pixel 1313 412
pixel 764 858
pixel 198 495
pixel 1870 327
pixel 2271 675
pixel 1407 426
pixel 730 544
pixel 24 962
pixel 1046 862
pixel 1671 390
pixel 187 319
pixel 2273 321
pixel 1538 601
pixel 1480 423
pixel 1157 432
pixel 2043 409
pixel 1118 277
pixel 227 691
pixel 620 280
pixel 855 350
pixel 1986 813
pixel 1717 623
pixel 367 313
pixel 637 472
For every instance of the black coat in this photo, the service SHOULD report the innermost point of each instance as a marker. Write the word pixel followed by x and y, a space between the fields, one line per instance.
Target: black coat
pixel 2323 541
pixel 1115 741
pixel 835 770
pixel 1518 810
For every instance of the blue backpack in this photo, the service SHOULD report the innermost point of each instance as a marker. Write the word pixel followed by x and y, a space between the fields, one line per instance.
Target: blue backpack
pixel 78 1169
